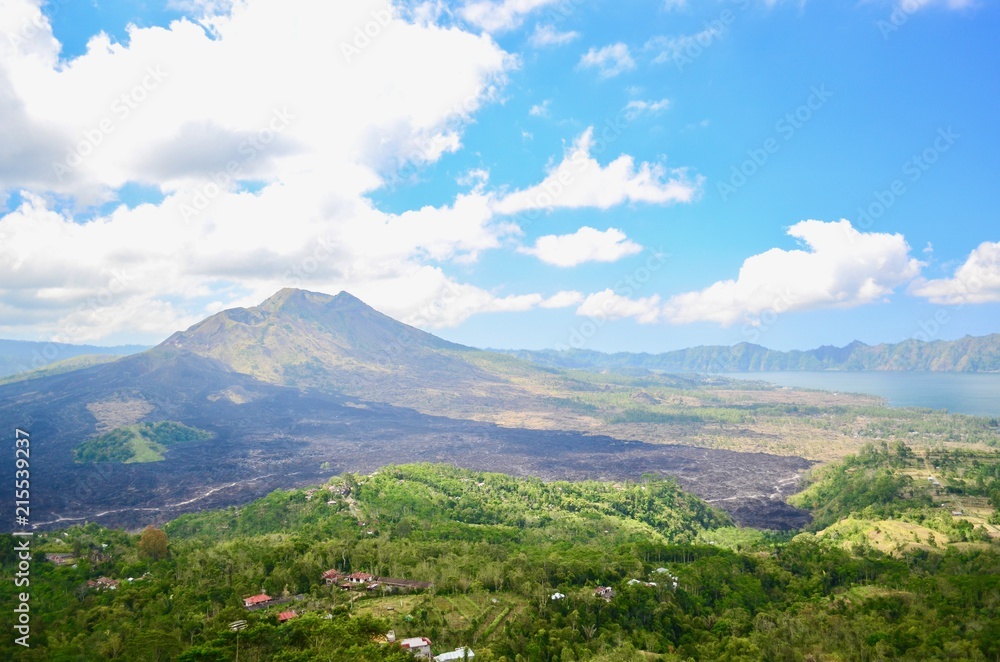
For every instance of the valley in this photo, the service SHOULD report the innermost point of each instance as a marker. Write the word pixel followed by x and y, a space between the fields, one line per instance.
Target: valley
pixel 307 386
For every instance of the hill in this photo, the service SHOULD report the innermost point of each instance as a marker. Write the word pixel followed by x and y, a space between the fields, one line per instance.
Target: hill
pixel 516 569
pixel 969 354
pixel 19 356
pixel 260 436
pixel 340 344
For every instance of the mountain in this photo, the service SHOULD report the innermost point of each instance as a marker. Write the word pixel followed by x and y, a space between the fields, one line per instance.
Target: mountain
pixel 969 354
pixel 339 344
pixel 19 356
pixel 269 394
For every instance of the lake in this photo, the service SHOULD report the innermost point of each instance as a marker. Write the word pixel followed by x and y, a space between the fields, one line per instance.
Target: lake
pixel 962 392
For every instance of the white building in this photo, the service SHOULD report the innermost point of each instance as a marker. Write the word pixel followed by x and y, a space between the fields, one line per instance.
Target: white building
pixel 461 653
pixel 419 646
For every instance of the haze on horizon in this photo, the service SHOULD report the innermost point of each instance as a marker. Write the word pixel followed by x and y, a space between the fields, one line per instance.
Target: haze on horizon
pixel 501 173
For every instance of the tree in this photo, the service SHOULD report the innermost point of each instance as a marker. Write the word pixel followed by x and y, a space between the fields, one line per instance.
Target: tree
pixel 153 543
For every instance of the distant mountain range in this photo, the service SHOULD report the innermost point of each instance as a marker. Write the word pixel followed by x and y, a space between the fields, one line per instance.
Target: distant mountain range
pixel 968 354
pixel 22 355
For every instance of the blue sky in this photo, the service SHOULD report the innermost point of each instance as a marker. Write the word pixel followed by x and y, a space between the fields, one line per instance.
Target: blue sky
pixel 786 173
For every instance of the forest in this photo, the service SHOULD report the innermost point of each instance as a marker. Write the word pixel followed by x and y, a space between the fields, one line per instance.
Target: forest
pixel 515 565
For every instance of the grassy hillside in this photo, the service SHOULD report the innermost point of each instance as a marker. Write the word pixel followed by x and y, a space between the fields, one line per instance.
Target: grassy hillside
pixel 496 549
pixel 18 357
pixel 143 442
pixel 892 498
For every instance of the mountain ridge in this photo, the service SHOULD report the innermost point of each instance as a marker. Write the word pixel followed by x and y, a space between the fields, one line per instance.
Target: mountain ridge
pixel 968 354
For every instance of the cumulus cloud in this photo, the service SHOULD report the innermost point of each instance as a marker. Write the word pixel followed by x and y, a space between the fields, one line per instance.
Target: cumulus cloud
pixel 584 245
pixel 260 177
pixel 540 109
pixel 500 15
pixel 548 35
pixel 563 299
pixel 580 181
pixel 672 48
pixel 838 267
pixel 612 306
pixel 637 107
pixel 609 61
pixel 976 281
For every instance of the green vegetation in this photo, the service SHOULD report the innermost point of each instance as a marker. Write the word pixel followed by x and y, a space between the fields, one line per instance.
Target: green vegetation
pixel 143 442
pixel 497 549
pixel 969 354
pixel 893 498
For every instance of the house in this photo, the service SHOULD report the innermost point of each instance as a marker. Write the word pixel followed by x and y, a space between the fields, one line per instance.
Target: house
pixel 59 559
pixel 360 578
pixel 102 583
pixel 605 592
pixel 461 653
pixel 558 596
pixel 286 616
pixel 404 584
pixel 418 646
pixel 331 576
pixel 257 600
pixel 956 513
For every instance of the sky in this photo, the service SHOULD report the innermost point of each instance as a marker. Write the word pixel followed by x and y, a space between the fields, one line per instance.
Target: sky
pixel 618 176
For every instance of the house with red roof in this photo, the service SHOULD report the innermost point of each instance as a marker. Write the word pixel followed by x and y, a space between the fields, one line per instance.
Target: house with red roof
pixel 360 578
pixel 257 600
pixel 419 646
pixel 331 576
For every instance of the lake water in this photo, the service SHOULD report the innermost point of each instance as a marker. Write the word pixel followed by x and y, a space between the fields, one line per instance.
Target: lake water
pixel 962 392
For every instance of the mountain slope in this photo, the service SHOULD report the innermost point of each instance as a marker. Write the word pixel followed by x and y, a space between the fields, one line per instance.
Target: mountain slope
pixel 340 344
pixel 969 354
pixel 18 356
pixel 265 436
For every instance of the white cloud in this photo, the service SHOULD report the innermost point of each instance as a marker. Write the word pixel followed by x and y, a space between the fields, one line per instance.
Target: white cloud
pixel 59 269
pixel 671 5
pixel 609 61
pixel 911 6
pixel 580 181
pixel 608 305
pixel 500 15
pixel 976 281
pixel 674 48
pixel 198 103
pixel 637 107
pixel 540 109
pixel 838 268
pixel 548 35
pixel 563 299
pixel 584 245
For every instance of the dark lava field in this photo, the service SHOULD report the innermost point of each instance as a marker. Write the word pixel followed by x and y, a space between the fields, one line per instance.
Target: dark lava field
pixel 268 437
